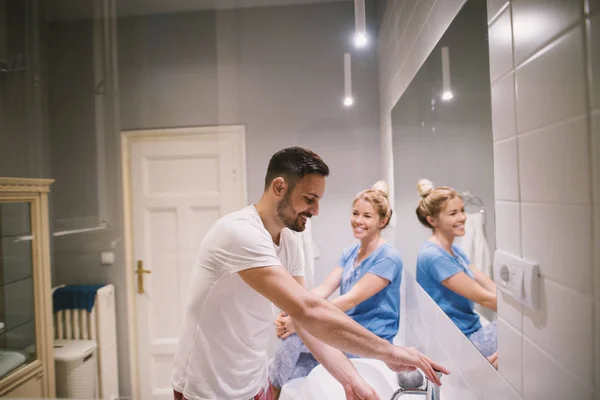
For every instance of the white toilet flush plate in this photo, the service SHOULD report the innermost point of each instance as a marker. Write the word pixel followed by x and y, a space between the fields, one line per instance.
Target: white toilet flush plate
pixel 518 278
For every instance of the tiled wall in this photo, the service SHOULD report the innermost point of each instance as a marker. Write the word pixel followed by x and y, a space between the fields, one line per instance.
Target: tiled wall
pixel 427 327
pixel 544 56
pixel 545 74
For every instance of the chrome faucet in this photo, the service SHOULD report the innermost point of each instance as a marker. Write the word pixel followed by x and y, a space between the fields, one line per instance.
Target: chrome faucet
pixel 412 383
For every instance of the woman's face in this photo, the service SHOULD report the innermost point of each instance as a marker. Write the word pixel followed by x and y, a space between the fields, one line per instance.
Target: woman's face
pixel 451 220
pixel 365 220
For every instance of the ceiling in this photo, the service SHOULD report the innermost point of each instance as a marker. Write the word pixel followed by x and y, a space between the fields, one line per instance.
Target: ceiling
pixel 66 10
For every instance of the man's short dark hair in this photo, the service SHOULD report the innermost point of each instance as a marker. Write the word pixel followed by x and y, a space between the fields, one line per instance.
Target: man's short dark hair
pixel 293 164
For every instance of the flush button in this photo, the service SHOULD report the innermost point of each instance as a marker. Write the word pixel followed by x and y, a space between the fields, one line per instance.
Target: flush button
pixel 517 277
pixel 505 274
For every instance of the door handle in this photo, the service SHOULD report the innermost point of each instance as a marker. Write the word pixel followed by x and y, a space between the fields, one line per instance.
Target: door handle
pixel 140 271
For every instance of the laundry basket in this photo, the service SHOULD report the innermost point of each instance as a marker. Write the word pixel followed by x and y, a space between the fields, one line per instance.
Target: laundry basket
pixel 75 362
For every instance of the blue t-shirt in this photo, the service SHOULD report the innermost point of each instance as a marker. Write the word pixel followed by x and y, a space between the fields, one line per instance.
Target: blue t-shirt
pixel 435 265
pixel 380 313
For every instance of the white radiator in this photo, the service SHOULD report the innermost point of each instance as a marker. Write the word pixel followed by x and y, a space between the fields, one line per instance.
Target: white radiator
pixel 99 325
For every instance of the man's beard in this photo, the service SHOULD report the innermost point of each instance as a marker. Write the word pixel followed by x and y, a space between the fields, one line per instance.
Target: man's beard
pixel 289 218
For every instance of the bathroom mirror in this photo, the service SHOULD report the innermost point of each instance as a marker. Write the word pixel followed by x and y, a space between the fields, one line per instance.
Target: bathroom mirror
pixel 442 132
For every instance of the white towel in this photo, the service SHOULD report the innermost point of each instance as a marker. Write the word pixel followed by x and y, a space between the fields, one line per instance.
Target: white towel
pixel 310 252
pixel 474 243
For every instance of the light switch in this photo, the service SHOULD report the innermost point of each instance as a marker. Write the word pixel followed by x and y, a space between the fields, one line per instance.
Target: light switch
pixel 517 277
pixel 107 258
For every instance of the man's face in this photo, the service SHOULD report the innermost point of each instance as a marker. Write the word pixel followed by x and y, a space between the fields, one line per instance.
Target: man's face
pixel 302 202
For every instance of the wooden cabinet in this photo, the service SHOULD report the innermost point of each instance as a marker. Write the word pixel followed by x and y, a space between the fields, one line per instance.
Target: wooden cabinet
pixel 32 388
pixel 26 330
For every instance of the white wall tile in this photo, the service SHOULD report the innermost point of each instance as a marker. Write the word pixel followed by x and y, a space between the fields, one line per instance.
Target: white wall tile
pixel 534 24
pixel 493 7
pixel 412 338
pixel 428 307
pixel 450 383
pixel 449 336
pixel 506 170
pixel 510 310
pixel 500 37
pixel 441 16
pixel 563 327
pixel 545 379
pixel 510 361
pixel 558 238
pixel 508 227
pixel 503 108
pixel 554 163
pixel 470 363
pixel 595 59
pixel 461 389
pixel 546 95
pixel 439 355
pixel 464 392
pixel 496 387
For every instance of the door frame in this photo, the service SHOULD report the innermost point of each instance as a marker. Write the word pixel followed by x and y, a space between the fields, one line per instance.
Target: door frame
pixel 127 138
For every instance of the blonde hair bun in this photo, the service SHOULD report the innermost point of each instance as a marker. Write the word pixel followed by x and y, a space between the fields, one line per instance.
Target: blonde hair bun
pixel 425 186
pixel 382 187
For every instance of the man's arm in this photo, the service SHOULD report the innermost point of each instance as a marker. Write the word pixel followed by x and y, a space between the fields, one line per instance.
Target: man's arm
pixel 336 363
pixel 328 324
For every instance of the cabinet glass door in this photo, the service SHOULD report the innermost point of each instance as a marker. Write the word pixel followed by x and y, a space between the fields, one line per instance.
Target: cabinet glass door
pixel 17 307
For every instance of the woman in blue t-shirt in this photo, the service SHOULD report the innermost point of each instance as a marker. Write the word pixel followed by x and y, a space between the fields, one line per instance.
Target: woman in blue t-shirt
pixel 446 273
pixel 368 276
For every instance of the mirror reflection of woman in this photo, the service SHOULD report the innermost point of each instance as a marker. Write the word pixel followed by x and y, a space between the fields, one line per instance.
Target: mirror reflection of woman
pixel 445 272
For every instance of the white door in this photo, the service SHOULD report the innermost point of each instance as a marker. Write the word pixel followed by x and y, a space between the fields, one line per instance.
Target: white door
pixel 180 185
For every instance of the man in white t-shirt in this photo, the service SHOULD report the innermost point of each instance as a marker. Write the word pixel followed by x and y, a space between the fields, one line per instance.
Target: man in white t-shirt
pixel 248 259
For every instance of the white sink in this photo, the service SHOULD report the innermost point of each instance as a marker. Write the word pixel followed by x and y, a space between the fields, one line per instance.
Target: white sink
pixel 319 384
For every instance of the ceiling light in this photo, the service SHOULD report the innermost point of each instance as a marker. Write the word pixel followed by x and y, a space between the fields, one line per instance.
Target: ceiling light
pixel 360 24
pixel 348 99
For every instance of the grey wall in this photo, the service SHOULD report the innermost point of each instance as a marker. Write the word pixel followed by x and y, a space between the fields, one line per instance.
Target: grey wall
pixel 24 143
pixel 450 142
pixel 71 106
pixel 279 71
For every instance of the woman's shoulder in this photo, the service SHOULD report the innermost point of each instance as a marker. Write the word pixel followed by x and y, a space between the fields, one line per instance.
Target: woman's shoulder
pixel 348 251
pixel 458 251
pixel 388 251
pixel 351 249
pixel 430 250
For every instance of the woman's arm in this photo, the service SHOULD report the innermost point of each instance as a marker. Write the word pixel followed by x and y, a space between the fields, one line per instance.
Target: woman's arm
pixel 483 279
pixel 463 285
pixel 367 286
pixel 331 283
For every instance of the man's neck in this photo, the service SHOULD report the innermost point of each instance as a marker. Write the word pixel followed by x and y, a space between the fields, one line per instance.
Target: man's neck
pixel 269 218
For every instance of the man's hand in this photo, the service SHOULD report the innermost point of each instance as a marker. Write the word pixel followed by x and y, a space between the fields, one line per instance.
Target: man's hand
pixel 409 358
pixel 359 389
pixel 284 324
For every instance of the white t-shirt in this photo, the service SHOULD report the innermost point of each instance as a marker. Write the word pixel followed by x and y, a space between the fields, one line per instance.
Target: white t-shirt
pixel 222 349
